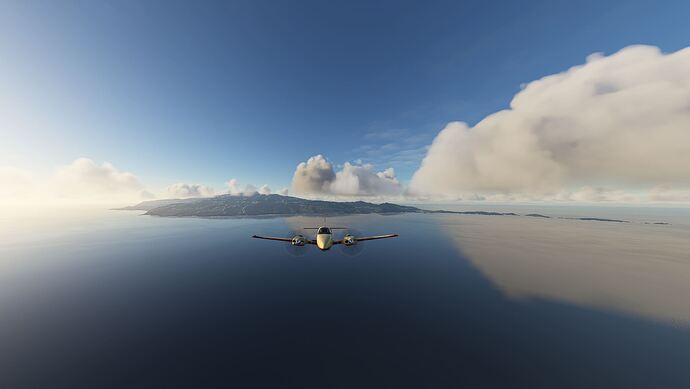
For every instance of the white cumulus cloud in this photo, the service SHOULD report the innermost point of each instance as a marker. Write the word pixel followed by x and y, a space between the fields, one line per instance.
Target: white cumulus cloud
pixel 317 176
pixel 86 178
pixel 264 190
pixel 313 176
pixel 249 190
pixel 83 180
pixel 182 191
pixel 235 189
pixel 621 121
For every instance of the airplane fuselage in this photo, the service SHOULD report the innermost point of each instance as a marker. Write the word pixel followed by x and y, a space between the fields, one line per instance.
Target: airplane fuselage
pixel 324 238
pixel 324 241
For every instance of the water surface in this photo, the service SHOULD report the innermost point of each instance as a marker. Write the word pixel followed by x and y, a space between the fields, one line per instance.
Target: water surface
pixel 112 298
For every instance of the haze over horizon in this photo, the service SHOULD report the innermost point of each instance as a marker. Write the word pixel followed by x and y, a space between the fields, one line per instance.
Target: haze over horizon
pixel 115 103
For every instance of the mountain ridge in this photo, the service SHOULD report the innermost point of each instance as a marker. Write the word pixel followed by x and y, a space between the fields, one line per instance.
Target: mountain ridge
pixel 261 205
pixel 278 205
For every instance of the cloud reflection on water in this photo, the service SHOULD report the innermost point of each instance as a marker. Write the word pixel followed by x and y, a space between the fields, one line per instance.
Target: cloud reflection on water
pixel 633 268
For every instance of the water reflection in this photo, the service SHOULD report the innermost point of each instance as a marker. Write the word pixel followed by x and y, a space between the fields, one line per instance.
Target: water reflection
pixel 634 268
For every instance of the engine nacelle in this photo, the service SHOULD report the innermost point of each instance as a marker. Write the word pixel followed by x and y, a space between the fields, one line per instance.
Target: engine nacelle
pixel 298 240
pixel 349 240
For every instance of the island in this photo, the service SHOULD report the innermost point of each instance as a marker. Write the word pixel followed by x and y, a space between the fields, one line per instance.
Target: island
pixel 278 205
pixel 262 205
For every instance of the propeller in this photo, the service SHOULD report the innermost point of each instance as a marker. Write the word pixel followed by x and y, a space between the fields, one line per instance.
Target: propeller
pixel 298 246
pixel 350 246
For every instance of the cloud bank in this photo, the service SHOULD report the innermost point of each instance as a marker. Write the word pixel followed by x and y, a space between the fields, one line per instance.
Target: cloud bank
pixel 15 182
pixel 235 189
pixel 84 176
pixel 87 181
pixel 83 180
pixel 616 122
pixel 182 191
pixel 316 176
pixel 264 190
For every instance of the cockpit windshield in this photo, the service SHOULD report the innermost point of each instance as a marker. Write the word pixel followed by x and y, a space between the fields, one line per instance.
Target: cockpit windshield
pixel 323 230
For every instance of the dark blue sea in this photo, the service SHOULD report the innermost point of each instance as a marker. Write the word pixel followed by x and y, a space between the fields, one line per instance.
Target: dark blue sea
pixel 115 299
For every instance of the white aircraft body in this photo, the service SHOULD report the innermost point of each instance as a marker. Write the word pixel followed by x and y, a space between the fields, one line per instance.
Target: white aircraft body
pixel 324 238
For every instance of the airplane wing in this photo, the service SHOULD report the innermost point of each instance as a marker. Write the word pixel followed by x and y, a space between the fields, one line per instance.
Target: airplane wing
pixel 375 237
pixel 340 241
pixel 308 241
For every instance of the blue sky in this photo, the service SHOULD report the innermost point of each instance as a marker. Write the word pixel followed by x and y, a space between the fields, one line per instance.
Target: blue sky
pixel 177 92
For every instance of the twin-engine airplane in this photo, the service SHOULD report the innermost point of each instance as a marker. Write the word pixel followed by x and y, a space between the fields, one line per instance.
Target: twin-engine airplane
pixel 324 238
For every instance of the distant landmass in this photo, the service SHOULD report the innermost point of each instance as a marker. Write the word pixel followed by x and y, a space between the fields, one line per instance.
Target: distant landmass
pixel 598 219
pixel 278 205
pixel 151 204
pixel 262 205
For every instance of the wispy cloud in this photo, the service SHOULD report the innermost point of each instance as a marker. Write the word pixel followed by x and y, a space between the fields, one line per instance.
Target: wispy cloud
pixel 386 134
pixel 398 148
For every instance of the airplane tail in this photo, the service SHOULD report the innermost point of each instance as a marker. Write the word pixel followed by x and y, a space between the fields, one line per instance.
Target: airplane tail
pixel 324 224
